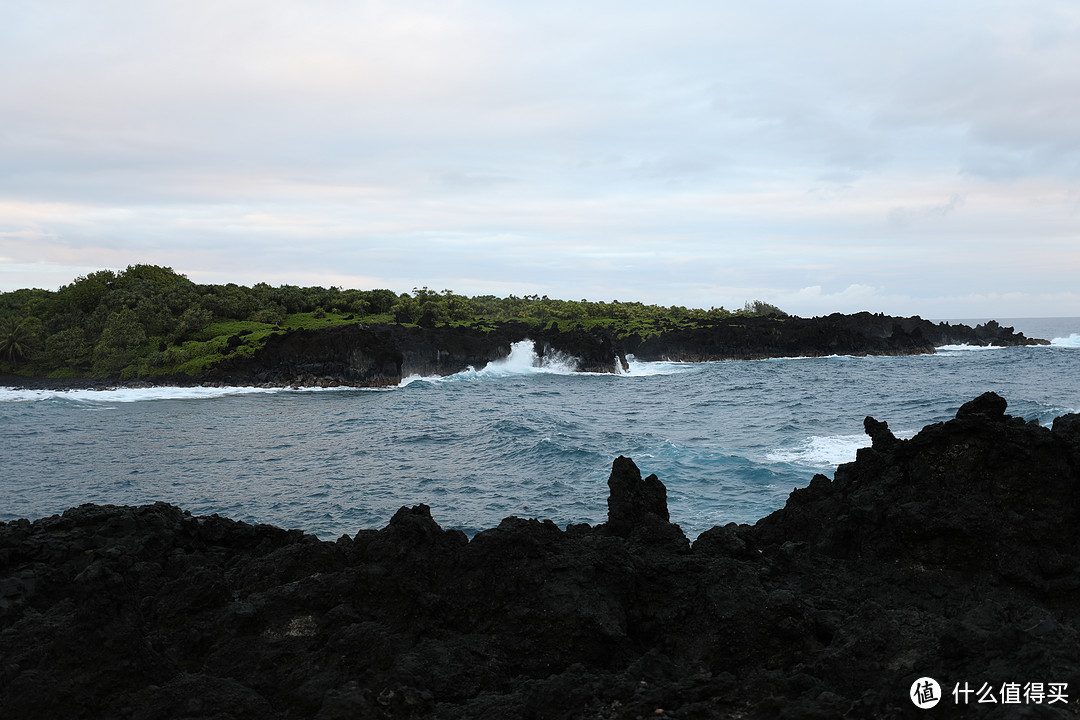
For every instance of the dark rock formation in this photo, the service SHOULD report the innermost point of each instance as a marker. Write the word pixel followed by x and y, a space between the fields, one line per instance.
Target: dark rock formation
pixel 989 405
pixel 952 555
pixel 637 507
pixel 382 355
pixel 372 356
pixel 743 338
pixel 631 498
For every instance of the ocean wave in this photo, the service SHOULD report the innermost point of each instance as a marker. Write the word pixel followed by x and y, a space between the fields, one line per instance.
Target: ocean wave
pixel 123 394
pixel 641 368
pixel 1073 341
pixel 826 451
pixel 968 348
pixel 158 392
pixel 523 360
pixel 821 451
pixel 789 358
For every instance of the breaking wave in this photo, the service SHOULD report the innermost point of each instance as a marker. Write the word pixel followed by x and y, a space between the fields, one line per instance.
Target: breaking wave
pixel 1073 341
pixel 967 348
pixel 640 368
pixel 523 360
pixel 821 451
pixel 123 394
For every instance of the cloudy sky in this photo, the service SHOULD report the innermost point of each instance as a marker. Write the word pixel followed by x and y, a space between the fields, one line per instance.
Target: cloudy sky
pixel 904 157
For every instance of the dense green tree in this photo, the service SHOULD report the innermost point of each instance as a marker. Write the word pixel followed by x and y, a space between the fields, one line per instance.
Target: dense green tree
pixel 69 348
pixel 87 291
pixel 760 307
pixel 380 301
pixel 122 337
pixel 272 314
pixel 193 321
pixel 407 309
pixel 291 298
pixel 17 339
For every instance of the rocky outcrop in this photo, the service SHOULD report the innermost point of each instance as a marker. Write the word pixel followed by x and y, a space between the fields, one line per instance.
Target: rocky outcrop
pixel 952 555
pixel 382 355
pixel 984 491
pixel 371 356
pixel 745 338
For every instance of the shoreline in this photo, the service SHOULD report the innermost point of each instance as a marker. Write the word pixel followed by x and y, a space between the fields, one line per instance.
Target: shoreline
pixel 13 381
pixel 378 361
pixel 383 355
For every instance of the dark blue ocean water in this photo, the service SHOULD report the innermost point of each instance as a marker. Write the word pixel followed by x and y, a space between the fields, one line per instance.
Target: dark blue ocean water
pixel 729 439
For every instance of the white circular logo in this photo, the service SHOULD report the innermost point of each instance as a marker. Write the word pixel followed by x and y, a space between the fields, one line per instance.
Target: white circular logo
pixel 925 693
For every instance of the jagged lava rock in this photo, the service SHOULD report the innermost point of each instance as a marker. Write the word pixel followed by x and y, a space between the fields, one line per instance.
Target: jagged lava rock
pixel 952 554
pixel 985 490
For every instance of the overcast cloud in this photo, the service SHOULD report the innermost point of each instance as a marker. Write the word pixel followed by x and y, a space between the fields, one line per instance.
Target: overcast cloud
pixel 830 156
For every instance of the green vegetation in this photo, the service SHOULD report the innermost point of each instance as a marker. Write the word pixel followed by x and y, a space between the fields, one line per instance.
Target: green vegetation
pixel 148 320
pixel 16 339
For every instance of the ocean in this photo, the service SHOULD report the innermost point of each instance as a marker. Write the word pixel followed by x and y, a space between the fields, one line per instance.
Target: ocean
pixel 730 440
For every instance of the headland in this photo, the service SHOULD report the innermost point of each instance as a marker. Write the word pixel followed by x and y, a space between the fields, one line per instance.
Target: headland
pixel 383 354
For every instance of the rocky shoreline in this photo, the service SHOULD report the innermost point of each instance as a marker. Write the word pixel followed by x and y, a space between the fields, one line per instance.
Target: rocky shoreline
pixel 954 555
pixel 382 355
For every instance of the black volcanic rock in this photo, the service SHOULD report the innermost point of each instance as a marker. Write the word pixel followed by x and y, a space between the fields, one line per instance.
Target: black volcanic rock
pixel 989 405
pixel 985 490
pixel 381 355
pixel 632 498
pixel 880 434
pixel 863 333
pixel 637 507
pixel 953 554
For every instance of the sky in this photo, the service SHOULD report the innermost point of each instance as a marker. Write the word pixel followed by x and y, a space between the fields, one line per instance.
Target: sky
pixel 901 157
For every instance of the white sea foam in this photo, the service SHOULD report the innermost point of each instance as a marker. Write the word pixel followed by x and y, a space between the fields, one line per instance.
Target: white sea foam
pixel 123 394
pixel 826 451
pixel 1073 341
pixel 968 348
pixel 410 379
pixel 522 360
pixel 789 358
pixel 821 452
pixel 960 350
pixel 639 368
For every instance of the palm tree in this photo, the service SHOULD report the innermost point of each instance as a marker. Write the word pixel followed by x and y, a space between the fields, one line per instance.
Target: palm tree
pixel 15 340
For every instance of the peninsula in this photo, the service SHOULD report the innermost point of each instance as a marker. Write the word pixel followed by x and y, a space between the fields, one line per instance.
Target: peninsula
pixel 148 324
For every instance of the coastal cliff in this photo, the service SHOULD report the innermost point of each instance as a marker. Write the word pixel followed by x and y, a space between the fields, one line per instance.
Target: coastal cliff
pixel 863 333
pixel 382 355
pixel 954 555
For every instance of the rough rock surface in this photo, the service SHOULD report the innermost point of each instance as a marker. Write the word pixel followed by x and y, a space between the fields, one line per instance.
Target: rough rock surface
pixel 953 554
pixel 743 338
pixel 381 355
